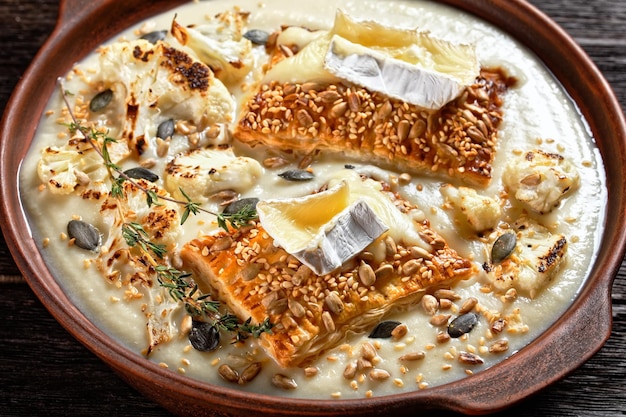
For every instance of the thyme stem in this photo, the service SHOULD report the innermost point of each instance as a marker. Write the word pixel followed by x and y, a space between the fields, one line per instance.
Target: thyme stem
pixel 179 284
pixel 224 220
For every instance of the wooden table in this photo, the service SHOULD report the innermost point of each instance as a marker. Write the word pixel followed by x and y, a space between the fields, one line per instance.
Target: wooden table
pixel 44 371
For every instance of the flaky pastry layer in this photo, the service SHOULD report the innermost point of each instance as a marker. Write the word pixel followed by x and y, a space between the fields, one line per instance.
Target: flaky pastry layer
pixel 457 141
pixel 312 314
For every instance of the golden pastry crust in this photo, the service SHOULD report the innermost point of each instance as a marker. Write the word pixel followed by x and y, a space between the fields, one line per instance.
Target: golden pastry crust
pixel 311 313
pixel 457 141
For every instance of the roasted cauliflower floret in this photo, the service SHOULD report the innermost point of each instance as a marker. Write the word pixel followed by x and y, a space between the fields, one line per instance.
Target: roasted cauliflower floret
pixel 540 180
pixel 128 267
pixel 481 213
pixel 160 221
pixel 76 166
pixel 151 83
pixel 220 44
pixel 533 262
pixel 203 172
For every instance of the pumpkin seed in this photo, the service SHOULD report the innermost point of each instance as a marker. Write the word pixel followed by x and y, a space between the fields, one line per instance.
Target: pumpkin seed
pixel 503 247
pixel 462 324
pixel 101 100
pixel 154 36
pixel 384 329
pixel 165 129
pixel 297 175
pixel 237 206
pixel 141 173
pixel 85 235
pixel 204 336
pixel 257 36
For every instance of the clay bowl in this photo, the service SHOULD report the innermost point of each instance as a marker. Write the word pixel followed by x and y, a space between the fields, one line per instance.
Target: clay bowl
pixel 574 338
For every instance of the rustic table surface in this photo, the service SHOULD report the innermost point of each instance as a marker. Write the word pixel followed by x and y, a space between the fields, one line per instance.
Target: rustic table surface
pixel 44 371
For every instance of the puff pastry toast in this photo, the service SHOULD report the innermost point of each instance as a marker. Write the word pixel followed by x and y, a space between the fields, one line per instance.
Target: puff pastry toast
pixel 456 141
pixel 311 313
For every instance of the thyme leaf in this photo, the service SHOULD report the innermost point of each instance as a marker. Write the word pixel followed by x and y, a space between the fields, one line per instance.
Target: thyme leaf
pixel 190 207
pixel 179 284
pixel 134 234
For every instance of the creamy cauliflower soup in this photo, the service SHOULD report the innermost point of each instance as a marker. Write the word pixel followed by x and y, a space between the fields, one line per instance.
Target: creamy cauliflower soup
pixel 329 199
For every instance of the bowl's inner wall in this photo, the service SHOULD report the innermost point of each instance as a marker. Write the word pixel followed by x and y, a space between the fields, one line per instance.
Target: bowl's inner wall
pixel 81 30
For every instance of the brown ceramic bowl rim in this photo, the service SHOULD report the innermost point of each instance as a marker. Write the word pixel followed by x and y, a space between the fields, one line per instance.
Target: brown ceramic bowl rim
pixel 574 338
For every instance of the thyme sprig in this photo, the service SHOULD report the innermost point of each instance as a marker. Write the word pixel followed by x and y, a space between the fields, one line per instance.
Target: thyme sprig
pixel 182 289
pixel 94 137
pixel 179 284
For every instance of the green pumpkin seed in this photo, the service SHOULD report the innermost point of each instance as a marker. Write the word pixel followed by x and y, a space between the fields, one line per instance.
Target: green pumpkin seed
pixel 462 324
pixel 257 36
pixel 237 206
pixel 297 175
pixel 155 36
pixel 139 173
pixel 503 247
pixel 165 129
pixel 85 235
pixel 204 336
pixel 101 100
pixel 384 329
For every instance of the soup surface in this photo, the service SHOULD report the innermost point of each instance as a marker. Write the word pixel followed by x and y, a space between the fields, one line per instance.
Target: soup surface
pixel 507 301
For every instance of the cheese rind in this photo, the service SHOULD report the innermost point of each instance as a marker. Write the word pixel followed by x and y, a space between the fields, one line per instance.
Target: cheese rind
pixel 392 77
pixel 326 241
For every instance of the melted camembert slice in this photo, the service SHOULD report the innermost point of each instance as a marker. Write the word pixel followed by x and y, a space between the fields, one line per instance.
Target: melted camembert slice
pixel 312 313
pixel 318 111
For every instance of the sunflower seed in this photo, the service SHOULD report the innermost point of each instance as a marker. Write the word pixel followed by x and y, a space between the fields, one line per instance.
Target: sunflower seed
pixel 468 305
pixel 334 303
pixel 228 373
pixel 379 374
pixel 430 304
pixel 284 382
pixel 249 373
pixel 470 358
pixel 350 370
pixel 366 274
pixel 499 346
pixel 413 356
pixel 368 351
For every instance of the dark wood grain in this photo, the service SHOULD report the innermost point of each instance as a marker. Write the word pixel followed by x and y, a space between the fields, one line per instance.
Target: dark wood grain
pixel 44 371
